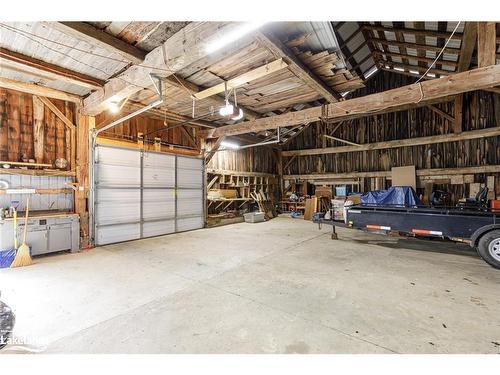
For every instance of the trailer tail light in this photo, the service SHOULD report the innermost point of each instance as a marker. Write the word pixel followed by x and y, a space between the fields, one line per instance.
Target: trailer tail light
pixel 427 232
pixel 379 227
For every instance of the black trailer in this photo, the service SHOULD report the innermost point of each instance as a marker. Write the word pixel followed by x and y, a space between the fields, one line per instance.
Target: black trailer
pixel 480 227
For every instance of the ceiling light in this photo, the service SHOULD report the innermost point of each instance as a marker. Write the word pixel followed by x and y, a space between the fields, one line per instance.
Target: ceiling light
pixel 232 36
pixel 113 107
pixel 230 145
pixel 239 116
pixel 227 110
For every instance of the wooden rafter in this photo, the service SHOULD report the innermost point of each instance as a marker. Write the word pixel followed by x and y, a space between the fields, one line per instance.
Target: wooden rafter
pixel 469 41
pixel 183 50
pixel 417 58
pixel 240 80
pixel 398 99
pixel 33 89
pixel 31 64
pixel 95 37
pixel 417 68
pixel 217 100
pixel 409 31
pixel 297 67
pixel 424 47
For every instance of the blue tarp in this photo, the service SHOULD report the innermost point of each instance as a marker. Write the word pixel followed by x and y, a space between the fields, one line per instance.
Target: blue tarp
pixel 6 257
pixel 395 196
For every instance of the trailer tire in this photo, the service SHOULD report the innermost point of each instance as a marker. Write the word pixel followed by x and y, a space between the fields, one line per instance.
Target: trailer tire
pixel 488 248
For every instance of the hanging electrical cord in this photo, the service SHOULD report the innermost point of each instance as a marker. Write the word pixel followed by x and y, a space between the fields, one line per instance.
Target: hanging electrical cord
pixel 440 52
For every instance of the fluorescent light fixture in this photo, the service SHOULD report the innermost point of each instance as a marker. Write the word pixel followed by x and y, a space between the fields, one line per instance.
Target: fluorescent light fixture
pixel 371 72
pixel 414 72
pixel 227 110
pixel 343 94
pixel 113 107
pixel 399 69
pixel 239 116
pixel 232 36
pixel 431 75
pixel 231 145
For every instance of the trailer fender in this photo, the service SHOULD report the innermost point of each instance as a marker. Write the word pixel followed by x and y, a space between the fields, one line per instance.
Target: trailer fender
pixel 480 231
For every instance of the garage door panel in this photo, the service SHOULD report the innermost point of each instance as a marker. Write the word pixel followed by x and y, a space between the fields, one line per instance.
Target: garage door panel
pixel 158 228
pixel 118 176
pixel 189 224
pixel 117 206
pixel 158 204
pixel 189 202
pixel 117 233
pixel 158 170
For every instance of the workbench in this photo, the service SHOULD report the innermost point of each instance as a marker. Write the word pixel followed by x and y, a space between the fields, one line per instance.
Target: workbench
pixel 47 232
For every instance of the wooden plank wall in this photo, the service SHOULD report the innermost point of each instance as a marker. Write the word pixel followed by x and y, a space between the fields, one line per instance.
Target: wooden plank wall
pixel 480 110
pixel 254 159
pixel 16 128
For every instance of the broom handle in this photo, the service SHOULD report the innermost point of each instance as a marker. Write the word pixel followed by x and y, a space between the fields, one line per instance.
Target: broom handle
pixel 26 219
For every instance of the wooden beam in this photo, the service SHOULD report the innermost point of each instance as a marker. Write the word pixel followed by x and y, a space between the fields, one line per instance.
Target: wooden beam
pixel 183 50
pixel 441 113
pixel 85 123
pixel 416 68
pixel 424 47
pixel 57 112
pixel 432 33
pixel 227 172
pixel 469 41
pixel 38 129
pixel 38 90
pixel 402 98
pixel 55 72
pixel 181 83
pixel 189 136
pixel 240 80
pixel 86 32
pixel 486 44
pixel 210 154
pixel 297 67
pixel 452 137
pixel 417 58
pixel 342 140
pixel 387 174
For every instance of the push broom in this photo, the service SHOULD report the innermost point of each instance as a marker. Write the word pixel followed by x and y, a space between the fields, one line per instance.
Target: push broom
pixel 23 257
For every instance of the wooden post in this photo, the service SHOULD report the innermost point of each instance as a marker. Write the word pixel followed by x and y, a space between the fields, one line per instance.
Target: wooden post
pixel 486 44
pixel 280 175
pixel 85 123
pixel 4 127
pixel 38 129
pixel 457 123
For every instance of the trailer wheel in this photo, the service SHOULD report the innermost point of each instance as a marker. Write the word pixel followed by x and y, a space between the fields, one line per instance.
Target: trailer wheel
pixel 489 248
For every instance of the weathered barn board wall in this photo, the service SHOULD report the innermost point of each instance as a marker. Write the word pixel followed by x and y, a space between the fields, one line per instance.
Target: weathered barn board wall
pixel 16 128
pixel 480 110
pixel 253 159
pixel 129 129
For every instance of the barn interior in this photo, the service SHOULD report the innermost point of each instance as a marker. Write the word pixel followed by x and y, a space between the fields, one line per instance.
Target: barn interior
pixel 193 179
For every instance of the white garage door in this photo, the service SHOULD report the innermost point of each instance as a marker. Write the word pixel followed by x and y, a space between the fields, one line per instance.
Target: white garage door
pixel 144 194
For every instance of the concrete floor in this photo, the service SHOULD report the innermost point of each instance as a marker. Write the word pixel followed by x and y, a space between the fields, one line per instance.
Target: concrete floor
pixel 276 287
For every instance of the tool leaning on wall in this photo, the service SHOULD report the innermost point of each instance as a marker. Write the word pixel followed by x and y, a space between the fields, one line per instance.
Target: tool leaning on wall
pixel 23 257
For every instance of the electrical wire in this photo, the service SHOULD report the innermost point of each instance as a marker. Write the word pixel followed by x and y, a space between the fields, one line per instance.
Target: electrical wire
pixel 440 52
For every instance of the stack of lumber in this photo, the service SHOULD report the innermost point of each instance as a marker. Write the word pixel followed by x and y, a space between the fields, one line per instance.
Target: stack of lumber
pixel 264 202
